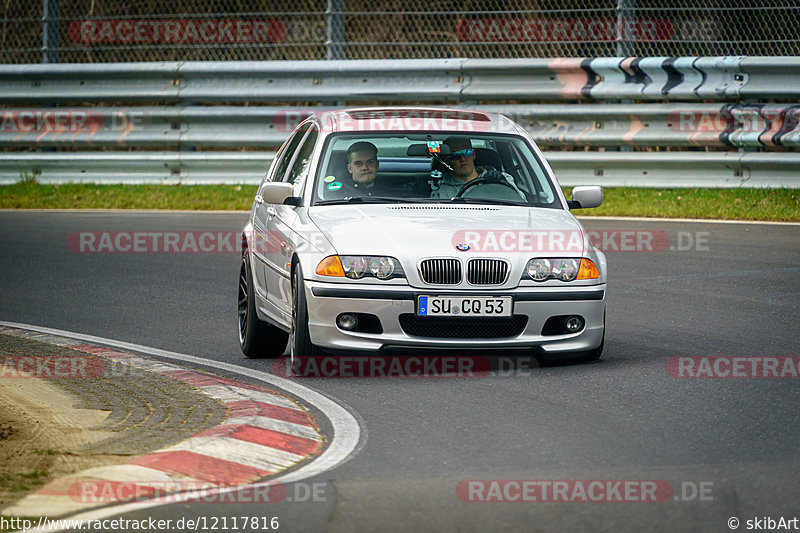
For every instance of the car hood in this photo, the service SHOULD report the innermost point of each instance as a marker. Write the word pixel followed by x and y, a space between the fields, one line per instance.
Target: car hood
pixel 416 231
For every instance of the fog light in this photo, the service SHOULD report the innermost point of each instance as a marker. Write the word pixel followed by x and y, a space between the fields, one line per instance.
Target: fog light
pixel 573 324
pixel 348 322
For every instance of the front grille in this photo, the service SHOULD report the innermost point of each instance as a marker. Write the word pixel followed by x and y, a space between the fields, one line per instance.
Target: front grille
pixel 462 328
pixel 440 271
pixel 487 271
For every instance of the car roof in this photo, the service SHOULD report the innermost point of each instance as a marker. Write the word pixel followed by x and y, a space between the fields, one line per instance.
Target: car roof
pixel 421 119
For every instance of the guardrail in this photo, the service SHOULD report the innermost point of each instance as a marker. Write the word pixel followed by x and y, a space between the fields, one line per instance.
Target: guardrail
pixel 174 108
pixel 658 78
pixel 637 169
pixel 556 125
pixel 190 168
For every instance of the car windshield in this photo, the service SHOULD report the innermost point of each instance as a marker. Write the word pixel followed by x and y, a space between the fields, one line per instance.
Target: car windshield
pixel 486 169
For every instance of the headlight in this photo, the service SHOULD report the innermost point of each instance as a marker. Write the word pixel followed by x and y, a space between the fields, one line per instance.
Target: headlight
pixel 562 269
pixel 382 267
pixel 354 266
pixel 565 269
pixel 360 266
pixel 539 269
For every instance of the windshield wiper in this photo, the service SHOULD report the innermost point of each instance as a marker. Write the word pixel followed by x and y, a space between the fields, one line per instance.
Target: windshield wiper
pixel 368 200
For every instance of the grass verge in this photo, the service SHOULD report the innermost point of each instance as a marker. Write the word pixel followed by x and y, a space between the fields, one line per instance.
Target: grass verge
pixel 86 196
pixel 734 204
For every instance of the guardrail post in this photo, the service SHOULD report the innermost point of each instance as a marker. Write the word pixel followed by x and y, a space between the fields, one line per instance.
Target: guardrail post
pixel 334 16
pixel 625 14
pixel 50 30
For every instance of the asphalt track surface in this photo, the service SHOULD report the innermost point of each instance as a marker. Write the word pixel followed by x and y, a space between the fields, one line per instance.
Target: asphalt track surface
pixel 623 418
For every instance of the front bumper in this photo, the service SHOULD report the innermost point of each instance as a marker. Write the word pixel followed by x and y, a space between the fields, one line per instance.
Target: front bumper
pixel 326 301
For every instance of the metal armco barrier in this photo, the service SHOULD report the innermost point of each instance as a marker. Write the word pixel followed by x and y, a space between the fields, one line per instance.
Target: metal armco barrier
pixel 630 169
pixel 403 80
pixel 190 168
pixel 234 81
pixel 173 109
pixel 713 125
pixel 659 125
pixel 168 127
pixel 677 169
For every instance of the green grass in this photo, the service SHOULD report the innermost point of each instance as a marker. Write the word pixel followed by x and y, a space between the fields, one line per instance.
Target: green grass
pixel 738 204
pixel 39 451
pixel 28 195
pixel 35 475
pixel 733 204
pixel 20 483
pixel 17 482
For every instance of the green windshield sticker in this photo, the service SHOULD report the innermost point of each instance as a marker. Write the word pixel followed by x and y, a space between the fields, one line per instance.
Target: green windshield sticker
pixel 335 186
pixel 329 179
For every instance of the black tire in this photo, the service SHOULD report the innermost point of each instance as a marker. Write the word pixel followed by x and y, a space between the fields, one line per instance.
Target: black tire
pixel 300 344
pixel 258 339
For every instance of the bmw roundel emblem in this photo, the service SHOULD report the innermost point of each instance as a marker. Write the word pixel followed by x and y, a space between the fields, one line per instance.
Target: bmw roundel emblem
pixel 463 247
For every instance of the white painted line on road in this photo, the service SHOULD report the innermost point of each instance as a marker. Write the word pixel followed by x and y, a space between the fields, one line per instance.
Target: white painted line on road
pixel 692 220
pixel 343 445
pixel 104 210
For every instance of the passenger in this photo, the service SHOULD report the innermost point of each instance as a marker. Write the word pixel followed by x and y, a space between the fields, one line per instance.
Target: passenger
pixel 362 164
pixel 462 159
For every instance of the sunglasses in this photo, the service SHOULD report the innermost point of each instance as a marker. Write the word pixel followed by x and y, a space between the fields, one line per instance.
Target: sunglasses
pixel 455 156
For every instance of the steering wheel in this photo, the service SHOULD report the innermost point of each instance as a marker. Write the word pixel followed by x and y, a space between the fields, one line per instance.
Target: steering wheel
pixel 489 178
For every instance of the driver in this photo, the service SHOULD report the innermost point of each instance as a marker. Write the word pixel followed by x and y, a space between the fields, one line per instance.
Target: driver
pixel 462 159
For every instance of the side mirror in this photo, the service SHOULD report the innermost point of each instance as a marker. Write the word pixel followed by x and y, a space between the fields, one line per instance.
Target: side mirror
pixel 279 193
pixel 585 197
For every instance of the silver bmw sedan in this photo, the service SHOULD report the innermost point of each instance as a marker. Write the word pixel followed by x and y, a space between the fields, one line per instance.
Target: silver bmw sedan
pixel 381 229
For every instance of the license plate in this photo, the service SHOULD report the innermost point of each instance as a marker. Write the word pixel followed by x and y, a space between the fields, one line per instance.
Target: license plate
pixel 465 306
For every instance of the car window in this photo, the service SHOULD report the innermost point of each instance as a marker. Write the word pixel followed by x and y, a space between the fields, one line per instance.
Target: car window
pixel 287 152
pixel 302 159
pixel 410 169
pixel 527 174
